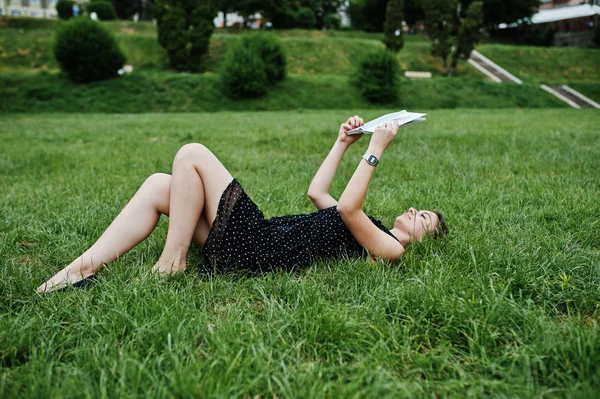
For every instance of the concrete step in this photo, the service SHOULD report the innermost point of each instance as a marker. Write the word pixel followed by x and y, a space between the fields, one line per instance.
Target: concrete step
pixel 570 96
pixel 491 69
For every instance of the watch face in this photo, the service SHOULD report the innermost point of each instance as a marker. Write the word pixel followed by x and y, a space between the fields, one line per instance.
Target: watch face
pixel 372 160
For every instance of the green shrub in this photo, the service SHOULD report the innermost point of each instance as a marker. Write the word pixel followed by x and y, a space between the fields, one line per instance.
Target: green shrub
pixel 184 30
pixel 283 17
pixel 305 18
pixel 377 77
pixel 126 9
pixel 243 73
pixel 392 28
pixel 271 52
pixel 332 21
pixel 64 9
pixel 104 9
pixel 30 23
pixel 87 51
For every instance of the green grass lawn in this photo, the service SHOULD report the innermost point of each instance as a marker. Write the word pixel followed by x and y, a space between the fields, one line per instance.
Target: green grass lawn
pixel 507 305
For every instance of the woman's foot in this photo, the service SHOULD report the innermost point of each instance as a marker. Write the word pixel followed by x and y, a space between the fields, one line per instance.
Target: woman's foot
pixel 70 275
pixel 166 267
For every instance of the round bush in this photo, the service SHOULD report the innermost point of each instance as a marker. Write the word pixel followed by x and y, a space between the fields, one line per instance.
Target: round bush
pixel 243 73
pixel 87 51
pixel 271 52
pixel 305 18
pixel 184 31
pixel 332 21
pixel 64 9
pixel 104 9
pixel 377 77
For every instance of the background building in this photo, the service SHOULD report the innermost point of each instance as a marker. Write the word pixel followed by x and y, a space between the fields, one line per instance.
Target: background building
pixel 548 4
pixel 572 25
pixel 29 8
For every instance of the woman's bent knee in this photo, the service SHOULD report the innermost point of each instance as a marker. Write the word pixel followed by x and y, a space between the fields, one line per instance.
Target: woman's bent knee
pixel 158 188
pixel 158 180
pixel 191 152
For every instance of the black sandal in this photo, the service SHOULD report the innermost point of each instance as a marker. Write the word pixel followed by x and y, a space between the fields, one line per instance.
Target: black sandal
pixel 85 282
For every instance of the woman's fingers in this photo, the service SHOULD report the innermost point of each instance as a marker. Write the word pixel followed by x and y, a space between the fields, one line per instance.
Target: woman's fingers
pixel 355 121
pixel 391 126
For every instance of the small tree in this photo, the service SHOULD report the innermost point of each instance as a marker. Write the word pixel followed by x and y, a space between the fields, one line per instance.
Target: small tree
pixel 270 50
pixel 453 27
pixel 332 21
pixel 64 9
pixel 377 76
pixel 392 28
pixel 412 12
pixel 367 15
pixel 184 30
pixel 281 13
pixel 104 9
pixel 87 51
pixel 125 9
pixel 306 18
pixel 243 73
pixel 468 32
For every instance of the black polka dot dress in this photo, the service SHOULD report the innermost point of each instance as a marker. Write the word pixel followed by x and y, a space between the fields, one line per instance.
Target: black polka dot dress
pixel 241 238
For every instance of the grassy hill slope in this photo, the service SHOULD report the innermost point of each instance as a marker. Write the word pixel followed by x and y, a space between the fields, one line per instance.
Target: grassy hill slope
pixel 319 64
pixel 318 53
pixel 174 92
pixel 546 64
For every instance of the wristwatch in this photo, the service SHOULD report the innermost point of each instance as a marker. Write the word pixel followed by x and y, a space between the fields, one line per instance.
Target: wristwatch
pixel 371 159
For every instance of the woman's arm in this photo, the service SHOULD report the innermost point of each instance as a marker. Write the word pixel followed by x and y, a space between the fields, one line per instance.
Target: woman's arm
pixel 377 242
pixel 318 191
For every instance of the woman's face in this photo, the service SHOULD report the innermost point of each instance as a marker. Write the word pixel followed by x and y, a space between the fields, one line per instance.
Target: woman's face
pixel 417 223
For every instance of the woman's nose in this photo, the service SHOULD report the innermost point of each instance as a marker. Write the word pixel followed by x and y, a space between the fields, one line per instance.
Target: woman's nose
pixel 412 210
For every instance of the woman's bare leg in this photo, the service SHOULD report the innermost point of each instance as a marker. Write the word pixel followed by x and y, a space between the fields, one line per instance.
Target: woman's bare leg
pixel 140 216
pixel 197 184
pixel 133 224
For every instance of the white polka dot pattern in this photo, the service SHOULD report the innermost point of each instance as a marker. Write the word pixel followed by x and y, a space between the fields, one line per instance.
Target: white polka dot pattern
pixel 241 238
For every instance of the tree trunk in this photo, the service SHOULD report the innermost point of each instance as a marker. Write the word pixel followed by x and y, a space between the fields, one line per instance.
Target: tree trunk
pixel 453 65
pixel 447 71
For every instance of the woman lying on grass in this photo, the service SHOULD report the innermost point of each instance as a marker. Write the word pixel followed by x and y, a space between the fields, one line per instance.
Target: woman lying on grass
pixel 206 205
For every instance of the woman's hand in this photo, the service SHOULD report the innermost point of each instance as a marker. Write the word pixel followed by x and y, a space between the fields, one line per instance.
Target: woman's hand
pixel 383 135
pixel 352 123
